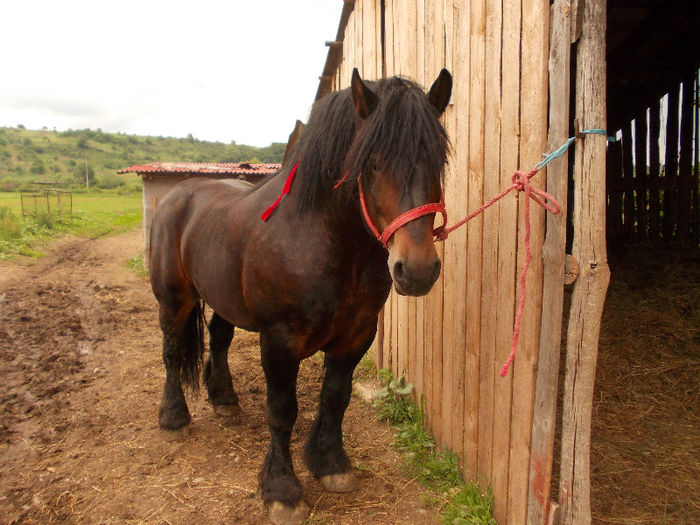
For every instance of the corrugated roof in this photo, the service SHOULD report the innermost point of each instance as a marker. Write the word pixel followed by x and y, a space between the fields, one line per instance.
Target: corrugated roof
pixel 203 168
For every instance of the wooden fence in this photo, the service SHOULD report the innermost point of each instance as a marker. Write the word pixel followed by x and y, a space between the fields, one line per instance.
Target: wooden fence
pixel 510 104
pixel 653 171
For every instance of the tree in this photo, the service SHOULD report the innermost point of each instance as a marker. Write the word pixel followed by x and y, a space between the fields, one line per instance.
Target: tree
pixel 38 166
pixel 79 173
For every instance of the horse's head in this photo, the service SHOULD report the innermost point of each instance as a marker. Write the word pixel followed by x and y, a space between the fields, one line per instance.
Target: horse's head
pixel 399 152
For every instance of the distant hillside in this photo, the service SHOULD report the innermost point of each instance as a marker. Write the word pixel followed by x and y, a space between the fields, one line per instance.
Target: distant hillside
pixel 64 156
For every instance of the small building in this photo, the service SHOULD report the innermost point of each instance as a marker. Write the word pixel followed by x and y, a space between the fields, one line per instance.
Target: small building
pixel 159 177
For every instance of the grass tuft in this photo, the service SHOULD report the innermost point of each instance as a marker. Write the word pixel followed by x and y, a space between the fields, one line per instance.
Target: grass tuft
pixel 460 503
pixel 135 264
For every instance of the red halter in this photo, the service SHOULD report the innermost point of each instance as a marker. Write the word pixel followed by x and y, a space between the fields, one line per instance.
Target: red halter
pixel 383 237
pixel 404 218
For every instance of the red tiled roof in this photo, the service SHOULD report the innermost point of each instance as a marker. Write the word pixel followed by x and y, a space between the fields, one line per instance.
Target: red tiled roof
pixel 203 168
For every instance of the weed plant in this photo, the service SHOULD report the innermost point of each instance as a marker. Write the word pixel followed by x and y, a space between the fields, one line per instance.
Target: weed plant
pixel 460 503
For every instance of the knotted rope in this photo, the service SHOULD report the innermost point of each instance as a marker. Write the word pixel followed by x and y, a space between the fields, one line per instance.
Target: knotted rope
pixel 521 182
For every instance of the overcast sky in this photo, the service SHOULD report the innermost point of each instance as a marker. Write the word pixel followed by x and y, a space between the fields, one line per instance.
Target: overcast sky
pixel 223 70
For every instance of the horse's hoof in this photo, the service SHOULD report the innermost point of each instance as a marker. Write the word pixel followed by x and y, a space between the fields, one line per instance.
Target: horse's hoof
pixel 344 482
pixel 281 514
pixel 175 435
pixel 227 410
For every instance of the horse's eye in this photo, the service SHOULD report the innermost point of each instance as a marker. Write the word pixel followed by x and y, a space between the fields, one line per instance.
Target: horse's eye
pixel 373 165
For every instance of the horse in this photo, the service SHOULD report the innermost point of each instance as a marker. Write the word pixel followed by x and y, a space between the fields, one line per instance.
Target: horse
pixel 313 276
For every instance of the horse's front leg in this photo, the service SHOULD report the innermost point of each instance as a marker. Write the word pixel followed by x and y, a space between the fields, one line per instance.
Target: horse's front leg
pixel 280 488
pixel 324 452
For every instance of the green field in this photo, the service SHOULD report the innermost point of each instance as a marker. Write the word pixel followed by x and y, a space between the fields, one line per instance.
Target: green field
pixel 94 215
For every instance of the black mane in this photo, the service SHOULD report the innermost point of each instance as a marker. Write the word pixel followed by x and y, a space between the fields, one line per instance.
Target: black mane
pixel 404 131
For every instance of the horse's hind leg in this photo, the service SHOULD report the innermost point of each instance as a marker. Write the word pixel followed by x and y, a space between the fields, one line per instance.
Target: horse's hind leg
pixel 217 376
pixel 324 453
pixel 182 354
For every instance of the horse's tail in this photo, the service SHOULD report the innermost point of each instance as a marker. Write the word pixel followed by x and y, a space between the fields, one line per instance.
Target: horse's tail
pixel 193 352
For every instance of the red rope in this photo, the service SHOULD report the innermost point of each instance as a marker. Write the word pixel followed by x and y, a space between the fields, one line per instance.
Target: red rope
pixel 521 182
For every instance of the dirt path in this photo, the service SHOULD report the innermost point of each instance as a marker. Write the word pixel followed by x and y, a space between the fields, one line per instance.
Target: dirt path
pixel 79 441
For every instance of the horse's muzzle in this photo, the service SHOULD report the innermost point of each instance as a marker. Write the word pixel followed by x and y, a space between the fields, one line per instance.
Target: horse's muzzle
pixel 414 279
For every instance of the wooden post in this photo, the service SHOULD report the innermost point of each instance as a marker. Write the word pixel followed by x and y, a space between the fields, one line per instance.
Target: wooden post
pixel 613 183
pixel 640 172
pixel 627 180
pixel 590 252
pixel 553 254
pixel 696 168
pixel 490 248
pixel 475 197
pixel 685 168
pixel 671 167
pixel 654 167
pixel 533 126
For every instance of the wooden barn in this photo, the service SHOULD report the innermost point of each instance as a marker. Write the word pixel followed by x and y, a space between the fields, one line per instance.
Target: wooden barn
pixel 528 75
pixel 159 177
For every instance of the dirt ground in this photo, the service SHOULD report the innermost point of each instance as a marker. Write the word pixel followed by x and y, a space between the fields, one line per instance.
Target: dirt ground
pixel 79 440
pixel 82 376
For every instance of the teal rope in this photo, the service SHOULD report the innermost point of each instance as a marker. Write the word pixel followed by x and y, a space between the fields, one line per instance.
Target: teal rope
pixel 549 157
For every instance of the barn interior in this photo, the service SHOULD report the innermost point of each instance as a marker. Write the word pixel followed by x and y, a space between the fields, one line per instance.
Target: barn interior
pixel 646 419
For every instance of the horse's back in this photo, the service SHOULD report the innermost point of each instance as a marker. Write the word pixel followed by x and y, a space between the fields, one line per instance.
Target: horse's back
pixel 198 236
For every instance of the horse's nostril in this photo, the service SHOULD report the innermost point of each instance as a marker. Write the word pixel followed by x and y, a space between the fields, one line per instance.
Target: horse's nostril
pixel 436 270
pixel 398 270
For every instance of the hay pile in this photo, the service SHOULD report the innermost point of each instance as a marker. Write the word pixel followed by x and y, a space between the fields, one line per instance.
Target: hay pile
pixel 646 422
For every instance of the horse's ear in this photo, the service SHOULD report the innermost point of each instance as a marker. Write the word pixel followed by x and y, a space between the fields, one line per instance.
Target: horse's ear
pixel 441 91
pixel 363 97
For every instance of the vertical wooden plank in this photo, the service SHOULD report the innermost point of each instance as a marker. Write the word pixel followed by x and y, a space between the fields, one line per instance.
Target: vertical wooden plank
pixel 590 251
pixel 379 49
pixel 433 355
pixel 390 308
pixel 428 311
pixel 475 169
pixel 359 42
pixel 533 118
pixel 627 180
pixel 654 167
pixel 369 61
pixel 553 252
pixel 696 164
pixel 407 305
pixel 348 52
pixel 369 40
pixel 458 239
pixel 685 168
pixel 417 344
pixel 507 243
pixel 410 68
pixel 455 246
pixel 389 45
pixel 489 269
pixel 399 7
pixel 671 167
pixel 613 182
pixel 640 172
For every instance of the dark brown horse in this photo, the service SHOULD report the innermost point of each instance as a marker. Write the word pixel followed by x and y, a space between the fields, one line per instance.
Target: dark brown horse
pixel 311 277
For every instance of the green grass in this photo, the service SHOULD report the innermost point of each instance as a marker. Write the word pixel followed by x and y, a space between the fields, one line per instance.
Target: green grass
pixel 135 264
pixel 460 503
pixel 94 215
